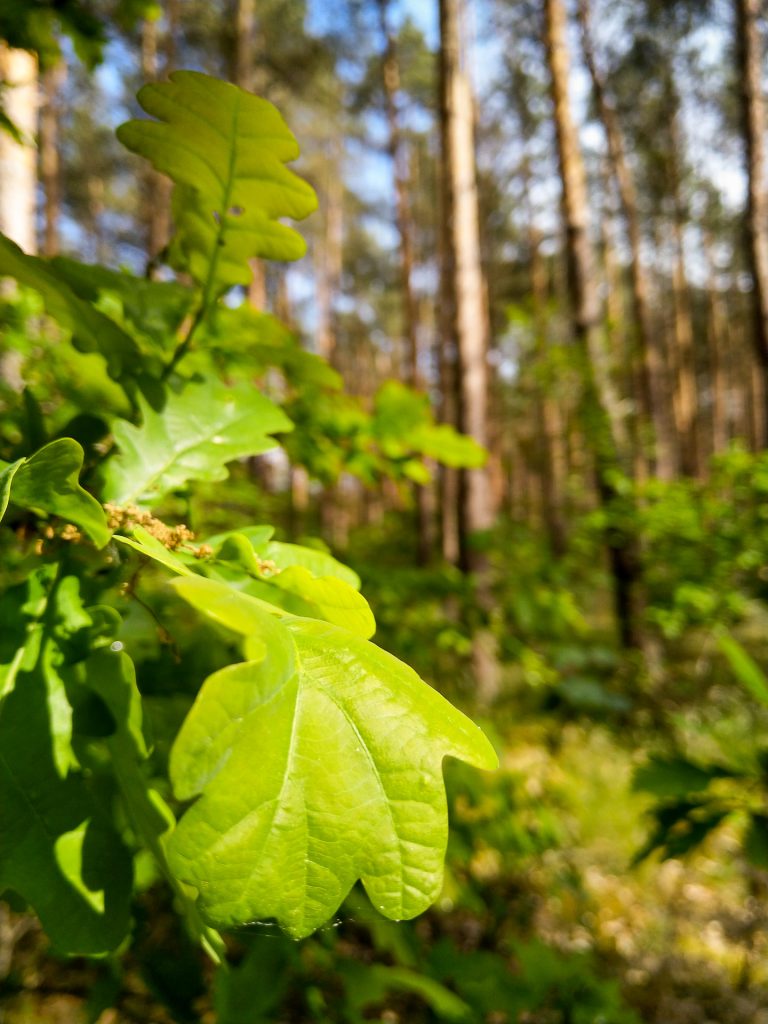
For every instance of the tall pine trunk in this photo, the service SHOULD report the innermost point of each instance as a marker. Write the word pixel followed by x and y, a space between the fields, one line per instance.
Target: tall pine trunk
pixel 466 323
pixel 18 157
pixel 245 75
pixel 50 169
pixel 750 62
pixel 654 395
pixel 465 313
pixel 586 320
pixel 156 188
pixel 409 311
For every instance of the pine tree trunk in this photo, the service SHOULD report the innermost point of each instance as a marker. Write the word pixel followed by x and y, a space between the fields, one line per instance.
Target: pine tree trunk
pixel 155 187
pixel 18 159
pixel 244 74
pixel 398 156
pixel 466 323
pixel 719 346
pixel 48 143
pixel 552 461
pixel 328 256
pixel 750 62
pixel 400 168
pixel 686 399
pixel 597 424
pixel 654 395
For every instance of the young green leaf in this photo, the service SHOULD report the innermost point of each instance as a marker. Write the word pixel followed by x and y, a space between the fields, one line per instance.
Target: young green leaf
pixel 154 309
pixel 321 597
pixel 57 848
pixel 7 473
pixel 91 330
pixel 347 783
pixel 48 481
pixel 150 547
pixel 200 430
pixel 226 151
pixel 110 675
pixel 318 562
pixel 285 582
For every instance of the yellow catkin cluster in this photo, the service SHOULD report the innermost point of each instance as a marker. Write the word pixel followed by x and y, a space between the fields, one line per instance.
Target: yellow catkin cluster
pixel 68 532
pixel 127 517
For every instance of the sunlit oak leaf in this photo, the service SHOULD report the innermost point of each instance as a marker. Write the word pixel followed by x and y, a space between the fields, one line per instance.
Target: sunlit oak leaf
pixel 226 151
pixel 199 430
pixel 48 481
pixel 91 330
pixel 317 765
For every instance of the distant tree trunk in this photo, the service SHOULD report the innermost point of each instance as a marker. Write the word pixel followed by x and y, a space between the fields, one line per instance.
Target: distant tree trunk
pixel 245 43
pixel 244 74
pixel 18 159
pixel 549 424
pixel 48 144
pixel 466 322
pixel 328 255
pixel 172 20
pixel 718 346
pixel 586 324
pixel 750 63
pixel 614 299
pixel 155 187
pixel 398 156
pixel 686 398
pixel 654 393
pixel 400 169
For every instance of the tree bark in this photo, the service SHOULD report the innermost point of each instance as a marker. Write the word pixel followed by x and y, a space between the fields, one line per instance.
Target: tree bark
pixel 686 390
pixel 586 325
pixel 718 345
pixel 328 255
pixel 398 156
pixel 156 188
pixel 549 424
pixel 749 50
pixel 18 159
pixel 654 396
pixel 50 170
pixel 245 75
pixel 465 323
pixel 409 312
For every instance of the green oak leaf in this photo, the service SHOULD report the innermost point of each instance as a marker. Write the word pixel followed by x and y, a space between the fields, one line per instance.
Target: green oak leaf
pixel 6 480
pixel 298 591
pixel 403 423
pixel 150 547
pixel 318 562
pixel 285 582
pixel 48 481
pixel 226 151
pixel 154 309
pixel 58 850
pixel 110 675
pixel 315 765
pixel 199 430
pixel 91 330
